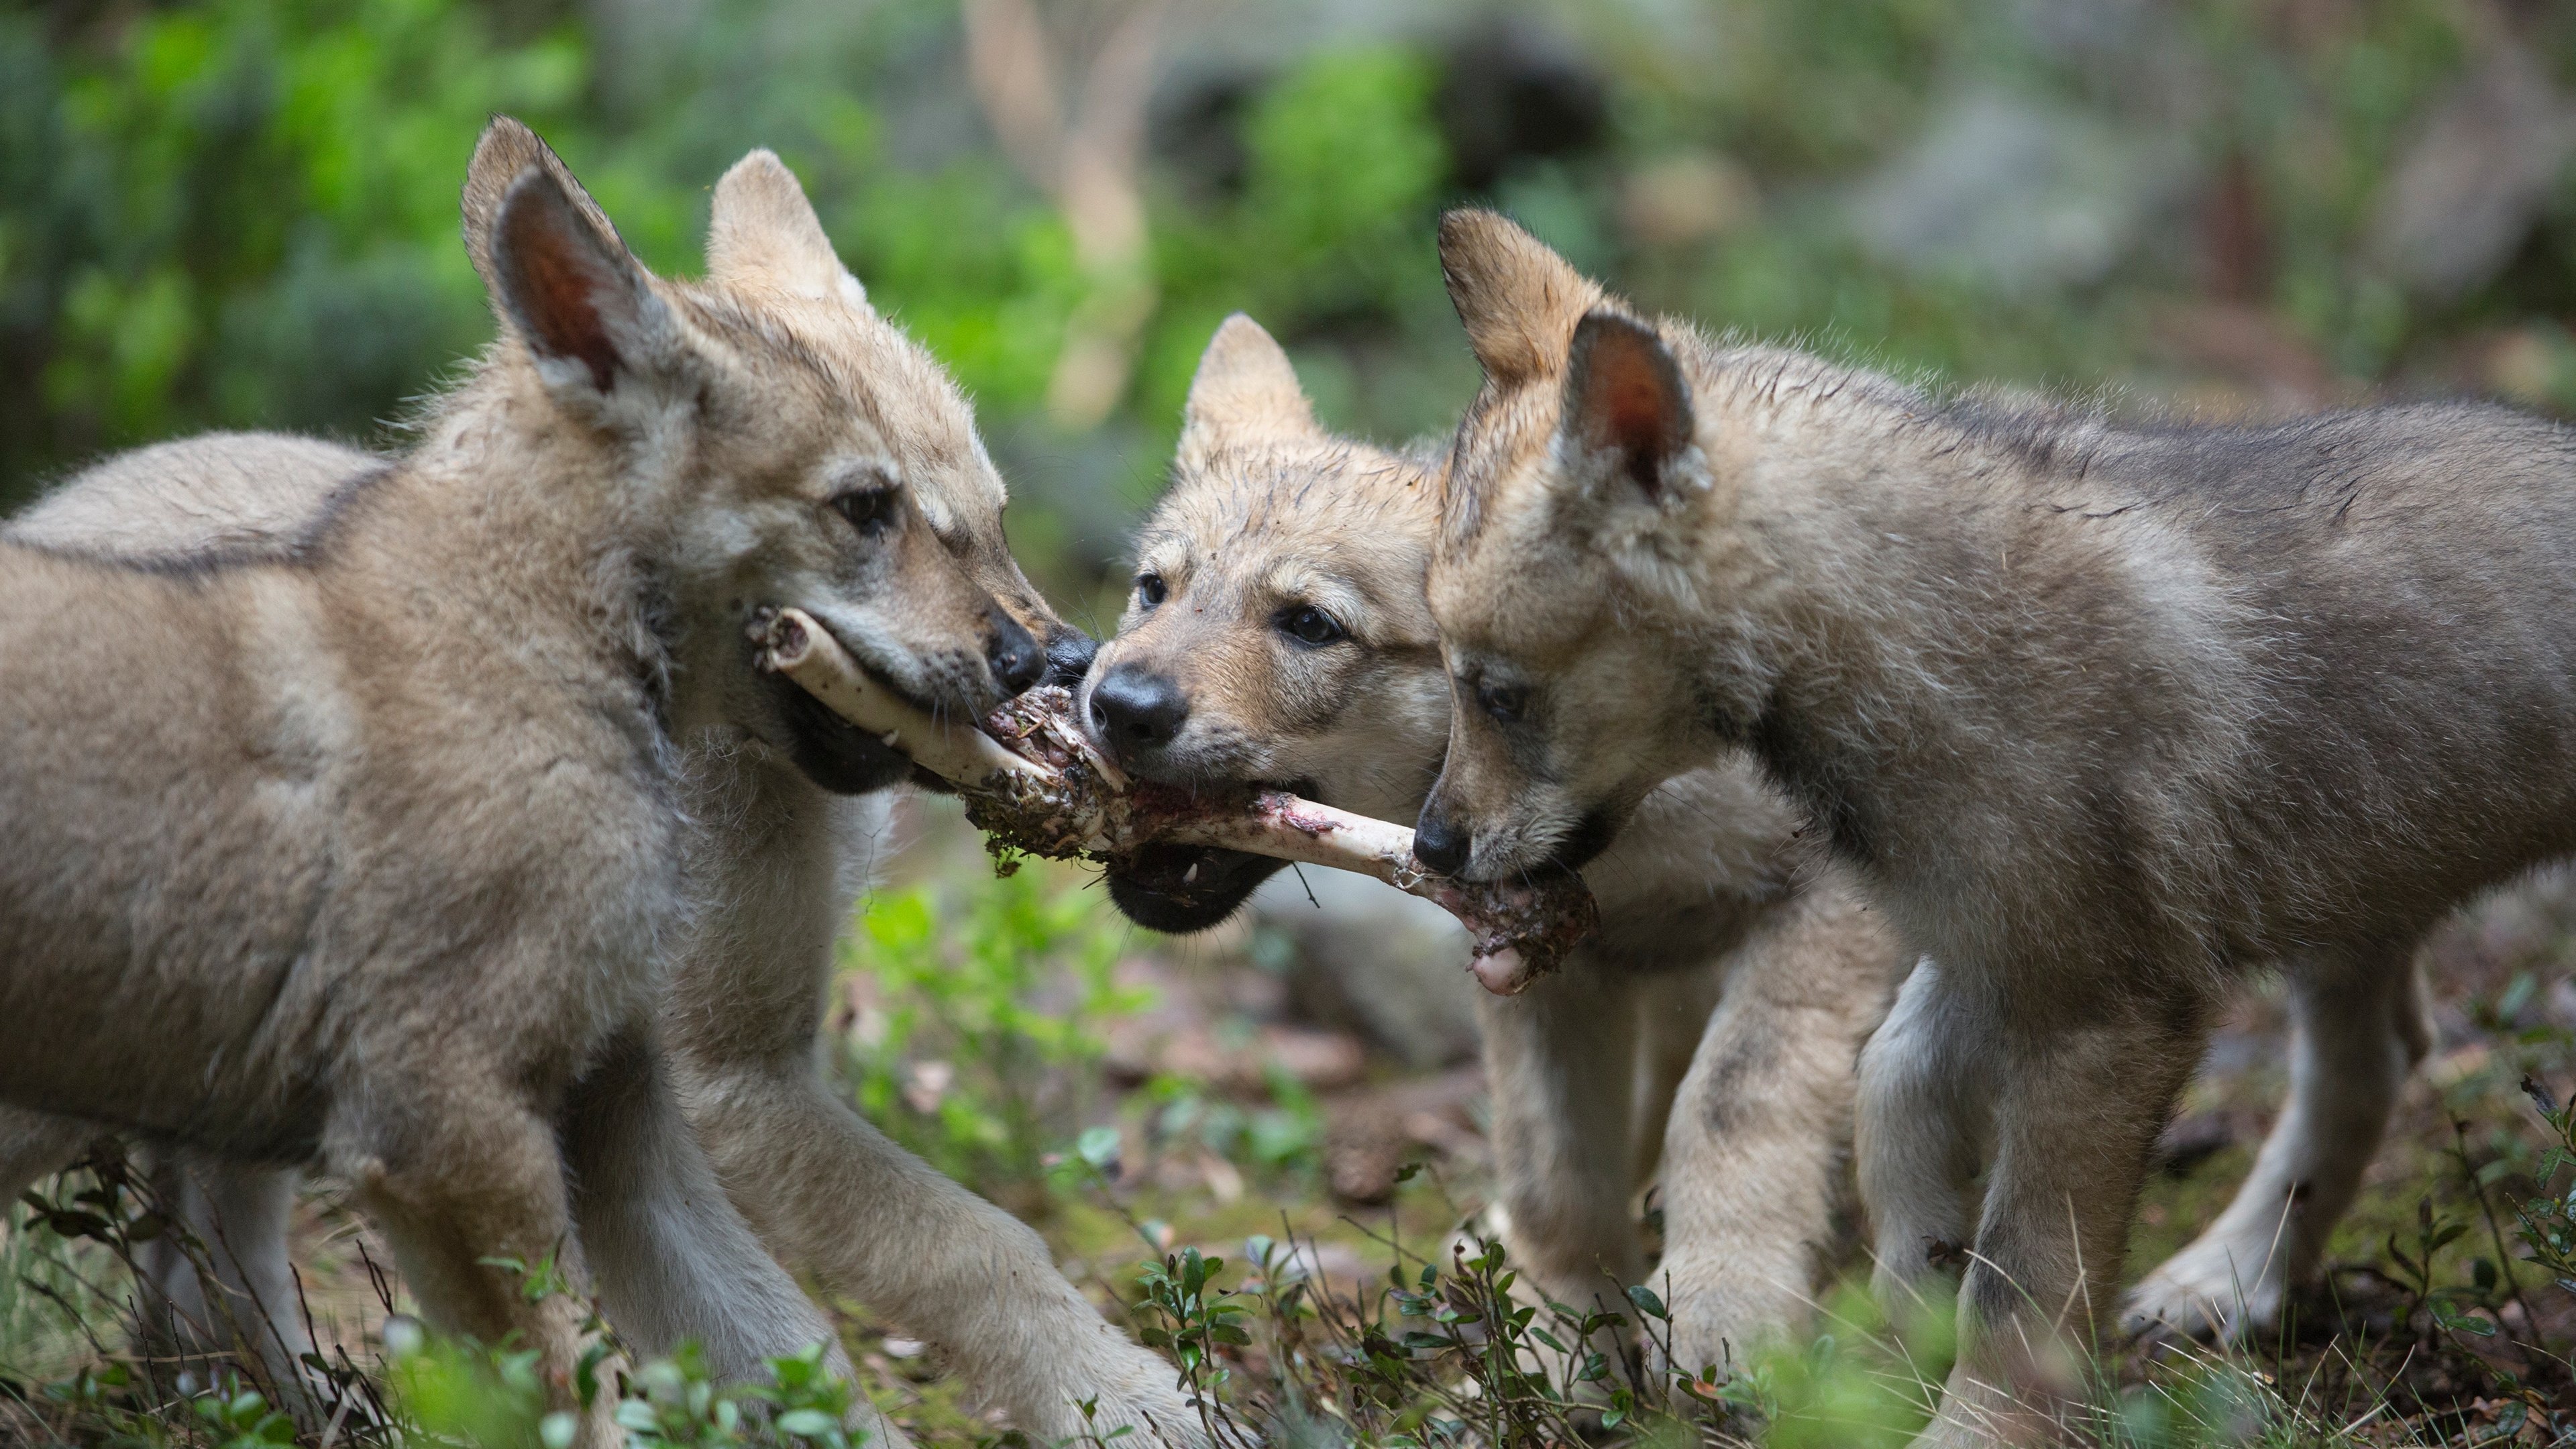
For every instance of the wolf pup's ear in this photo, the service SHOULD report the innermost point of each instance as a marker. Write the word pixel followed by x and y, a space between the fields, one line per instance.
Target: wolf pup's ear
pixel 1519 300
pixel 574 295
pixel 506 148
pixel 1245 387
pixel 763 232
pixel 1626 403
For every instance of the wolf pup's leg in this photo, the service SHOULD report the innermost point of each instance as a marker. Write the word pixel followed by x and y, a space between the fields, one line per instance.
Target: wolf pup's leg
pixel 2082 1087
pixel 674 1260
pixel 829 1191
pixel 1922 1125
pixel 2357 1030
pixel 239 1215
pixel 461 1175
pixel 1560 1062
pixel 1672 1014
pixel 1753 1156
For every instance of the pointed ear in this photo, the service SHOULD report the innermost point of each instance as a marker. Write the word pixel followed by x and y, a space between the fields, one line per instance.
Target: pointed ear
pixel 580 302
pixel 1244 386
pixel 1520 301
pixel 506 149
pixel 764 232
pixel 1626 402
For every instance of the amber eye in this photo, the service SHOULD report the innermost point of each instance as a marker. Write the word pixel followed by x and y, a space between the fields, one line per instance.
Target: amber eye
pixel 1311 626
pixel 870 510
pixel 1150 590
pixel 1506 703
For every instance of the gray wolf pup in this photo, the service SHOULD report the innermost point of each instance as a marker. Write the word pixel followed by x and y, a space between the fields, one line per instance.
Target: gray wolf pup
pixel 1279 633
pixel 1041 1349
pixel 403 814
pixel 2102 717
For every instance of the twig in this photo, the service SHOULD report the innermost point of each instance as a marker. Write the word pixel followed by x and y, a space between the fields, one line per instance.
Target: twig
pixel 1033 779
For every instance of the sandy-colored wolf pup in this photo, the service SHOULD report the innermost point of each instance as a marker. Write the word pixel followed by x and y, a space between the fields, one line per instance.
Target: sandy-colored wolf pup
pixel 1032 1342
pixel 1279 633
pixel 2104 717
pixel 392 823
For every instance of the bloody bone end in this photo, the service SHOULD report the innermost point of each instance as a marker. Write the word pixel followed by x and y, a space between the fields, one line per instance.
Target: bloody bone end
pixel 1522 931
pixel 1035 782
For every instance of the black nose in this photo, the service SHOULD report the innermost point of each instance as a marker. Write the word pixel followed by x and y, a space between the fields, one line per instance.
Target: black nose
pixel 1134 710
pixel 1439 844
pixel 1069 655
pixel 1016 659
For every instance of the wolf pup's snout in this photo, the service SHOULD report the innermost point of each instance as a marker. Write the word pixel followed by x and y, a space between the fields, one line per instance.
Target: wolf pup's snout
pixel 1439 843
pixel 1013 654
pixel 1137 711
pixel 1069 653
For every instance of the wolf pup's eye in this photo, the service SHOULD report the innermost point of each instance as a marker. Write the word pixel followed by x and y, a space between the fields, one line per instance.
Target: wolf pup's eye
pixel 1505 702
pixel 1150 590
pixel 870 510
pixel 1309 625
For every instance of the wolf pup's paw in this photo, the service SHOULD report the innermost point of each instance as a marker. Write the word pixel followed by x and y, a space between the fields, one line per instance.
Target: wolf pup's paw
pixel 1138 1392
pixel 2215 1288
pixel 1724 1304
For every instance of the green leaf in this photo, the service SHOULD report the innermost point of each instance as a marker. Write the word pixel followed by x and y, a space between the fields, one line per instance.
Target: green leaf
pixel 2468 1323
pixel 807 1423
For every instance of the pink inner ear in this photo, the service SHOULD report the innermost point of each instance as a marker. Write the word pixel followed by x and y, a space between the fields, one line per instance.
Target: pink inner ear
pixel 1637 412
pixel 1631 400
pixel 558 288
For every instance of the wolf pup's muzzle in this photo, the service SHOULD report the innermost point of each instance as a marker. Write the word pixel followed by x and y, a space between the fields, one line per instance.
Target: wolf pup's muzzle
pixel 1069 653
pixel 1178 889
pixel 840 757
pixel 835 754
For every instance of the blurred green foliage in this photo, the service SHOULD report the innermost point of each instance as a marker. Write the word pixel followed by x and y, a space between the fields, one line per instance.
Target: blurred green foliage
pixel 241 213
pixel 977 1038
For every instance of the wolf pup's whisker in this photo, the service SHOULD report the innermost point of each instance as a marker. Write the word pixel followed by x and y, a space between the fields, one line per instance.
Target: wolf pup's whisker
pixel 1063 798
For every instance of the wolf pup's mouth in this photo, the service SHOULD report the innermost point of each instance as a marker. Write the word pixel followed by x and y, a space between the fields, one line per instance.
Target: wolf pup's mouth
pixel 835 754
pixel 1181 889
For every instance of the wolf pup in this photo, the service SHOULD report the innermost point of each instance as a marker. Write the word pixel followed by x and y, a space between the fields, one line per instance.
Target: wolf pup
pixel 2102 717
pixel 1042 1349
pixel 1279 633
pixel 385 828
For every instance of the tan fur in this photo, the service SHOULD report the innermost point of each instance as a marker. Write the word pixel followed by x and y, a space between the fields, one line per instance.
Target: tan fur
pixel 506 758
pixel 220 491
pixel 2102 718
pixel 1268 514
